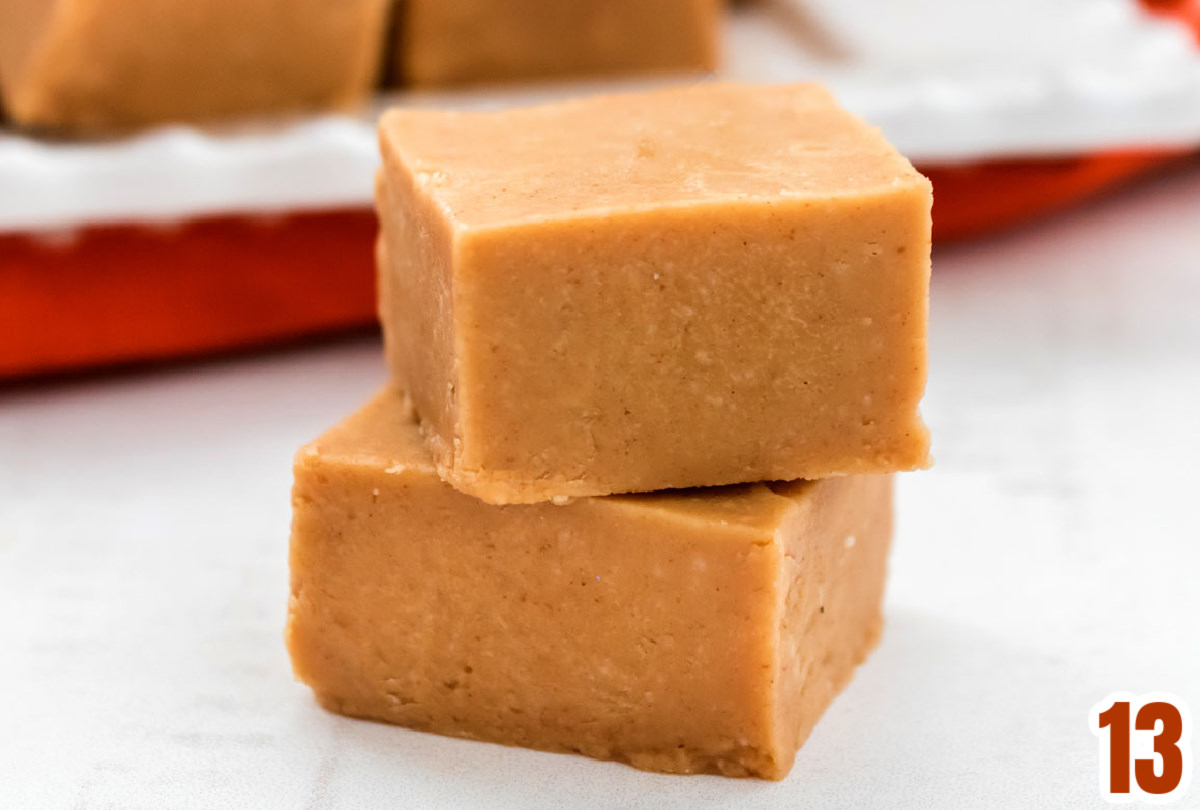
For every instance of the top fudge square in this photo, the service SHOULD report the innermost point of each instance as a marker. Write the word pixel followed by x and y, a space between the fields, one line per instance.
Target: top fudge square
pixel 686 287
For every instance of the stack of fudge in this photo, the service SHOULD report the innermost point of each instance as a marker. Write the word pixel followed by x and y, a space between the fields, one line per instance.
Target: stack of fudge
pixel 653 359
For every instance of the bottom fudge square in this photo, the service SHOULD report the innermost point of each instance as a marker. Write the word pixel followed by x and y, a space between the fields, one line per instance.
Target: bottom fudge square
pixel 690 631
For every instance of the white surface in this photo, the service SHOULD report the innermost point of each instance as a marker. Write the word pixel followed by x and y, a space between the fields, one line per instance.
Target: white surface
pixel 1050 558
pixel 946 80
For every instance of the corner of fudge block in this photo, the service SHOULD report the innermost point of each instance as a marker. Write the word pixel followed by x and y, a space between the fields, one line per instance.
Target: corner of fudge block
pixel 835 547
pixel 417 252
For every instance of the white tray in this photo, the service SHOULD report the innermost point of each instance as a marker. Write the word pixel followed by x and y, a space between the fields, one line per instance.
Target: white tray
pixel 946 80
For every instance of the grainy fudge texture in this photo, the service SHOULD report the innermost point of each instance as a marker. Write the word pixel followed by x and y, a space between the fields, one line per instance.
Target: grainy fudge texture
pixel 82 66
pixel 688 287
pixel 692 631
pixel 443 42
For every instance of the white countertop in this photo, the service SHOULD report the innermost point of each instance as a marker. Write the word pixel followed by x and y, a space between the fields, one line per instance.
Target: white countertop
pixel 1050 558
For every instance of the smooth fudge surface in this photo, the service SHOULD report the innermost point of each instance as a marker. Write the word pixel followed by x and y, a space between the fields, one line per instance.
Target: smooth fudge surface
pixel 94 66
pixel 688 287
pixel 691 631
pixel 445 42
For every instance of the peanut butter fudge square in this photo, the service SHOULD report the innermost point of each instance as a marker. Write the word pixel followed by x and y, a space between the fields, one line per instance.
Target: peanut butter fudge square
pixel 93 66
pixel 690 631
pixel 688 287
pixel 445 42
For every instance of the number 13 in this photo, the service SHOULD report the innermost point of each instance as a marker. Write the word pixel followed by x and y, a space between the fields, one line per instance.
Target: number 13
pixel 1161 778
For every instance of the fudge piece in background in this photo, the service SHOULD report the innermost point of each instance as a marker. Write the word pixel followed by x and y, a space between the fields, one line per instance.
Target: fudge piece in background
pixel 94 66
pixel 444 42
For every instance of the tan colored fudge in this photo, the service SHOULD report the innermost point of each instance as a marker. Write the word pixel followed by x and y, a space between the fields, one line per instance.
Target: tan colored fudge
pixel 696 631
pixel 92 66
pixel 444 42
pixel 689 287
